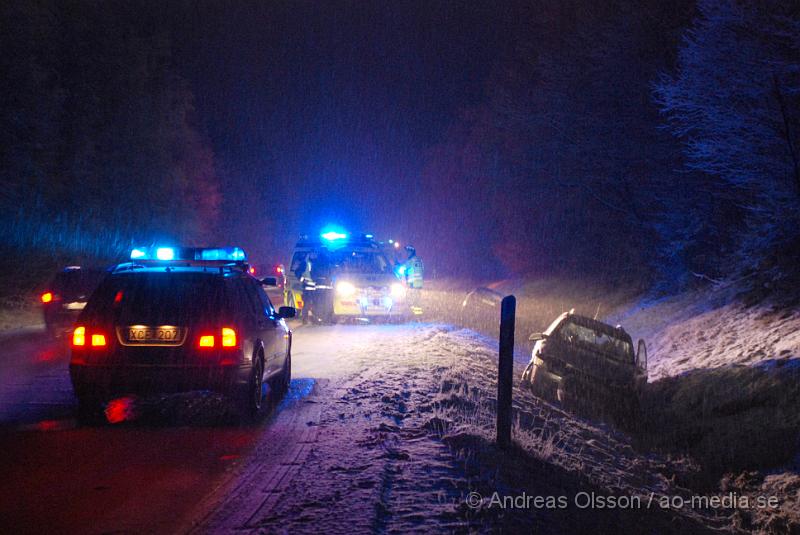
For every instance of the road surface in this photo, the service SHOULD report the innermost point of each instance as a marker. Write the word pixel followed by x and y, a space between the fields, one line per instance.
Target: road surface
pixel 178 464
pixel 386 428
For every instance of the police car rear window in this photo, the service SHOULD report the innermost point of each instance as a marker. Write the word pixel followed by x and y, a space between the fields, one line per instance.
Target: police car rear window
pixel 157 298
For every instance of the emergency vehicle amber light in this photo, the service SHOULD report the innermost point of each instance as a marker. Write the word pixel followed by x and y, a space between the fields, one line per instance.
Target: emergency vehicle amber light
pixel 79 336
pixel 206 340
pixel 47 297
pixel 228 337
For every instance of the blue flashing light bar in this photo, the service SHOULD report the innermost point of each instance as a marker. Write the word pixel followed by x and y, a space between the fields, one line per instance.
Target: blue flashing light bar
pixel 166 254
pixel 231 254
pixel 333 235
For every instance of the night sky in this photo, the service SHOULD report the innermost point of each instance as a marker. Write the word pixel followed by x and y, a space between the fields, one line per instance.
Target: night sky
pixel 327 109
pixel 640 141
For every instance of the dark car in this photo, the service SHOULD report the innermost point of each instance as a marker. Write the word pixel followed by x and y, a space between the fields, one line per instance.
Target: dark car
pixel 588 365
pixel 195 321
pixel 66 295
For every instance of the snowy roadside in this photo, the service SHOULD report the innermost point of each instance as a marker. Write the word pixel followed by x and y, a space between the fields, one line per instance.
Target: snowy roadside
pixel 725 388
pixel 724 383
pixel 18 315
pixel 402 434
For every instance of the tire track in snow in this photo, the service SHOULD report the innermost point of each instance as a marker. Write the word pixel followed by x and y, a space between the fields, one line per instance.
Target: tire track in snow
pixel 257 486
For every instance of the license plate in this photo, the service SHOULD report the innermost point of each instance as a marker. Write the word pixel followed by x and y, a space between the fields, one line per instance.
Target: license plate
pixel 75 305
pixel 160 335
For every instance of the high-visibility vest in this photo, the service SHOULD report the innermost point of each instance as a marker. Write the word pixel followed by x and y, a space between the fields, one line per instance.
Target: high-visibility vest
pixel 414 270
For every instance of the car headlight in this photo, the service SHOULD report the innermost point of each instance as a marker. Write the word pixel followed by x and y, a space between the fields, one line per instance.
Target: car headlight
pixel 345 289
pixel 398 290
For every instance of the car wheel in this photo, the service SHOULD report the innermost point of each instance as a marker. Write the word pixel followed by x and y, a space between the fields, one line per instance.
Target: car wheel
pixel 252 397
pixel 280 384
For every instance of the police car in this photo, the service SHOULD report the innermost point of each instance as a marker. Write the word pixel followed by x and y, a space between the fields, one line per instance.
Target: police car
pixel 338 275
pixel 177 320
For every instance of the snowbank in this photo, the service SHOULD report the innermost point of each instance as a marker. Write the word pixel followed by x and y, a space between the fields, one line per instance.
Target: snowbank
pixel 724 389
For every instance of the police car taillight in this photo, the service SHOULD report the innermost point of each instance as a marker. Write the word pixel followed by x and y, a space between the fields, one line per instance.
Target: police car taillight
pixel 97 339
pixel 79 337
pixel 227 338
pixel 206 341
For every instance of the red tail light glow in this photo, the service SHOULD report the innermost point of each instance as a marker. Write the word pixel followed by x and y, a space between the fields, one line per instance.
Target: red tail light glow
pixel 79 336
pixel 206 341
pixel 98 340
pixel 228 337
pixel 252 270
pixel 47 297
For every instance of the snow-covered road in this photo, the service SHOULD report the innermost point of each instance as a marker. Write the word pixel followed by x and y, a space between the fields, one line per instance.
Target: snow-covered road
pixel 346 452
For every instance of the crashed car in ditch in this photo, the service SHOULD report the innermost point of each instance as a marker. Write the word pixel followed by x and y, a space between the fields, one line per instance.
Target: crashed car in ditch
pixel 588 366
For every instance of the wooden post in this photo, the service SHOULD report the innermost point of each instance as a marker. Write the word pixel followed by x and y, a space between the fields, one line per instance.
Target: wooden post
pixel 505 370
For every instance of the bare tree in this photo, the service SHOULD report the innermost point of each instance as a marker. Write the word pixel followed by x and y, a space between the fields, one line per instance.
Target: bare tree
pixel 734 102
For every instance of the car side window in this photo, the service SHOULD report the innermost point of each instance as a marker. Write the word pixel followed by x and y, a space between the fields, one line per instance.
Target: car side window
pixel 248 299
pixel 264 299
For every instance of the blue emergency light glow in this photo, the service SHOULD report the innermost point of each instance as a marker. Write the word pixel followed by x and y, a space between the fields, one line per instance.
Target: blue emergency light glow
pixel 231 254
pixel 332 235
pixel 223 254
pixel 165 253
pixel 401 269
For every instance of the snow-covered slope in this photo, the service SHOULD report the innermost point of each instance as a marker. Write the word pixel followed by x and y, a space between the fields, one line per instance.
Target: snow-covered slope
pixel 724 384
pixel 712 328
